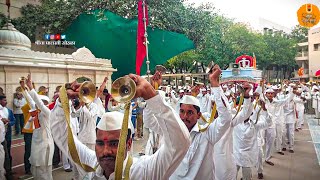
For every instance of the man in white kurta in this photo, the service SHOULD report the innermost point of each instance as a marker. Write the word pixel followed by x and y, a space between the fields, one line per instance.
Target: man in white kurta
pixel 158 166
pixel 300 100
pixel 203 98
pixel 273 107
pixel 42 147
pixel 198 162
pixel 87 125
pixel 223 149
pixel 245 147
pixel 290 119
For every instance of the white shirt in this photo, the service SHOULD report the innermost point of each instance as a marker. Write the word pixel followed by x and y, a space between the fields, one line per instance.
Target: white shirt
pixel 87 124
pixel 223 149
pixel 245 147
pixel 17 104
pixel 42 146
pixel 4 113
pixel 158 166
pixel 198 162
pixel 274 107
pixel 290 112
pixel 203 99
pixel 2 131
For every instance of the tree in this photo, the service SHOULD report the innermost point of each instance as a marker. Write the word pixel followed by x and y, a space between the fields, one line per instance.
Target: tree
pixel 54 16
pixel 299 34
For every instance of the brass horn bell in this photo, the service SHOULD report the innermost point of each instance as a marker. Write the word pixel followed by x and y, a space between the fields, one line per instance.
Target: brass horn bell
pixel 123 89
pixel 22 78
pixel 209 68
pixel 161 69
pixel 87 92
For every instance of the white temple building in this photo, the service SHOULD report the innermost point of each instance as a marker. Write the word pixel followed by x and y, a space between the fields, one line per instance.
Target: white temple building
pixel 47 69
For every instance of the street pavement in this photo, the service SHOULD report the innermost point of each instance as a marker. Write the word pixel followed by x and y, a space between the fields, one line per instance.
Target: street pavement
pixel 304 164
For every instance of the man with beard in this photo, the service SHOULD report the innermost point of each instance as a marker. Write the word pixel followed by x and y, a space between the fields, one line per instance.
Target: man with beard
pixel 157 166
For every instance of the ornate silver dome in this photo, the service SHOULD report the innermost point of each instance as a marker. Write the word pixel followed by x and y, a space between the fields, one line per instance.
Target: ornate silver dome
pixel 11 38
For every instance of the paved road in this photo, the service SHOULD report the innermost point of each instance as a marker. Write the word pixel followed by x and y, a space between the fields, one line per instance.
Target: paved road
pixel 304 164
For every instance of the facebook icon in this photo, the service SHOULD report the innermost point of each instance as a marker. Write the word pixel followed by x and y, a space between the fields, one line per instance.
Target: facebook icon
pixel 47 36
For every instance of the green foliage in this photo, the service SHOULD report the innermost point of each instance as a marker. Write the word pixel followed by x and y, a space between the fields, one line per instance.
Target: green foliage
pixel 3 19
pixel 300 34
pixel 216 37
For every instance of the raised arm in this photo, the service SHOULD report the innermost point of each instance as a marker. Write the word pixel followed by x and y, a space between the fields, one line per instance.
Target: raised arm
pixel 247 107
pixel 220 125
pixel 34 95
pixel 174 133
pixel 282 102
pixel 60 135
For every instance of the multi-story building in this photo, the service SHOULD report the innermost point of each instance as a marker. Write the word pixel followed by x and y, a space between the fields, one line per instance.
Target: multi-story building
pixel 314 52
pixel 308 56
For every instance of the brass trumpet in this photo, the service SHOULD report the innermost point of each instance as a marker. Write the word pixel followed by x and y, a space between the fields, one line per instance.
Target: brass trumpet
pixel 123 89
pixel 161 69
pixel 87 92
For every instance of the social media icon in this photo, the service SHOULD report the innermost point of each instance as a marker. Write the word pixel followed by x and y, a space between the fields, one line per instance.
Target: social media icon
pixel 57 37
pixel 47 36
pixel 63 37
pixel 51 36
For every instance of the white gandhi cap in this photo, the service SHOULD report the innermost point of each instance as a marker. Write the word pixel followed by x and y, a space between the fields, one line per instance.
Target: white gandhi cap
pixel 44 98
pixel 187 99
pixel 111 121
pixel 269 91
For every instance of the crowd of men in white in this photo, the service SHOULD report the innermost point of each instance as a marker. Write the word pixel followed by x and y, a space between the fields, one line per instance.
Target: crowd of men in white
pixel 185 141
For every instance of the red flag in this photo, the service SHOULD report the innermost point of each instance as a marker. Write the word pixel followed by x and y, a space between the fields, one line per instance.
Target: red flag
pixel 141 48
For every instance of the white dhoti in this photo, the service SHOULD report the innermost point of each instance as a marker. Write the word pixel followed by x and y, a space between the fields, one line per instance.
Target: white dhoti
pixel 246 172
pixel 270 137
pixel 300 117
pixel 260 160
pixel 279 135
pixel 42 172
pixel 290 135
pixel 65 162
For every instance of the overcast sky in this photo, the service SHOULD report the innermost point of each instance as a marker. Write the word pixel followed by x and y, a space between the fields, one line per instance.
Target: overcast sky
pixel 283 12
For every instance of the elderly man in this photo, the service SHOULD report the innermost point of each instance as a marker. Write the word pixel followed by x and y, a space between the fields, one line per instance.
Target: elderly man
pixel 198 162
pixel 158 166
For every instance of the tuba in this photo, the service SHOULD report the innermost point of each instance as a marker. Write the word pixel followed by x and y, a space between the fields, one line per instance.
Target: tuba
pixel 123 89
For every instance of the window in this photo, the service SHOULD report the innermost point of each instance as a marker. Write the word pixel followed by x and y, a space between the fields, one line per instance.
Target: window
pixel 316 47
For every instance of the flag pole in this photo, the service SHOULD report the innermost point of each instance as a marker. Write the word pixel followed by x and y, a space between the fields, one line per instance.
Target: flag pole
pixel 146 37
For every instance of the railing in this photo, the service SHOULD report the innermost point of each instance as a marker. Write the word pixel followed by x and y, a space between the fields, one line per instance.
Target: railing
pixel 302 54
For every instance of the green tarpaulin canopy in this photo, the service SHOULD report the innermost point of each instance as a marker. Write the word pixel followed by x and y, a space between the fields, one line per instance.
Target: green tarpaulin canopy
pixel 115 38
